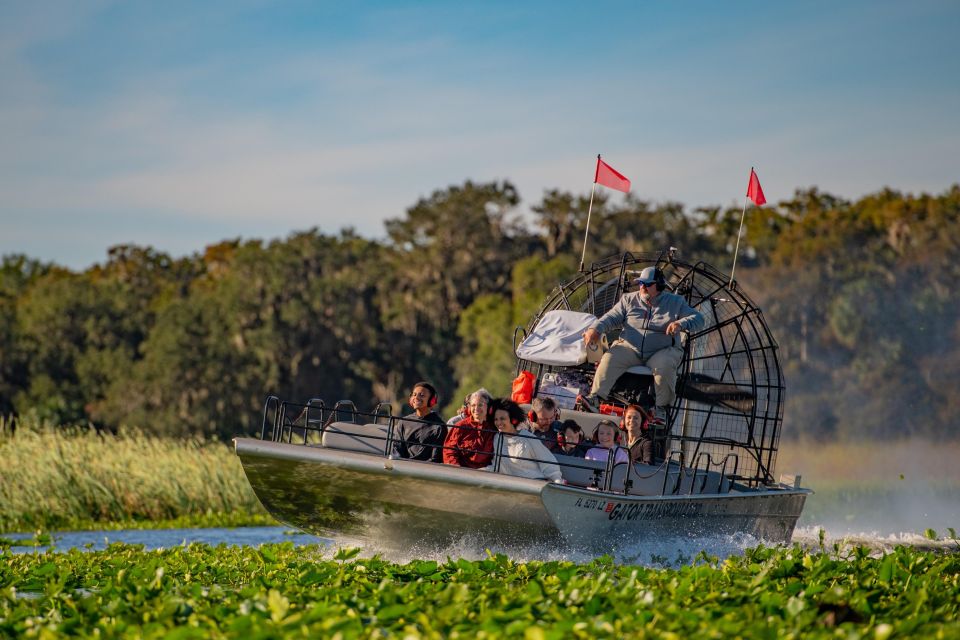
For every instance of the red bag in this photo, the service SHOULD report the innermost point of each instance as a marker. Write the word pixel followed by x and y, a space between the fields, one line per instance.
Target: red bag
pixel 523 388
pixel 611 410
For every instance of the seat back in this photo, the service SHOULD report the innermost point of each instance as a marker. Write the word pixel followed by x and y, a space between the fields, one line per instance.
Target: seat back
pixel 363 438
pixel 587 421
pixel 580 472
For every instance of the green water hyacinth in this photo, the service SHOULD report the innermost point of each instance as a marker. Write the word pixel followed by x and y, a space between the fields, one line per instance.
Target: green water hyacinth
pixel 286 591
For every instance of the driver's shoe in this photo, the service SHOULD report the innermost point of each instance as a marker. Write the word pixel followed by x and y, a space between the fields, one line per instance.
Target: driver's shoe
pixel 589 404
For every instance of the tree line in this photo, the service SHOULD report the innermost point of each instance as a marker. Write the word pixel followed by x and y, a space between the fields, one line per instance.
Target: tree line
pixel 859 295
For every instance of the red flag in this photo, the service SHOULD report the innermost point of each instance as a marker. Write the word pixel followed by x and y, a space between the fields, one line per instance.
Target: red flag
pixel 610 177
pixel 754 192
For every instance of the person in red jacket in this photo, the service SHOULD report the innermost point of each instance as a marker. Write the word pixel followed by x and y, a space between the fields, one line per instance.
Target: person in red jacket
pixel 469 442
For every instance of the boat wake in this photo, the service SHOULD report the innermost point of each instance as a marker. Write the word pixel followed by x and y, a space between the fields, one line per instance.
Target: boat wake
pixel 809 538
pixel 661 553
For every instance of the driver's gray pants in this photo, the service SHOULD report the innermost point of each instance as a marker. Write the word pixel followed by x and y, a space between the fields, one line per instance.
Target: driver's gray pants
pixel 621 356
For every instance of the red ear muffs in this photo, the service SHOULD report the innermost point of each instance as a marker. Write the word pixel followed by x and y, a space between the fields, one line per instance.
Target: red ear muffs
pixel 561 441
pixel 514 422
pixel 433 401
pixel 533 416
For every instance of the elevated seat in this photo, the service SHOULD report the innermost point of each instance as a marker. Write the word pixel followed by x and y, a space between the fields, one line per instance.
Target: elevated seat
pixel 363 438
pixel 640 370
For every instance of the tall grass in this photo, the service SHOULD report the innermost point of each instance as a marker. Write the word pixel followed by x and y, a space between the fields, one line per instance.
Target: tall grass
pixel 56 477
pixel 871 462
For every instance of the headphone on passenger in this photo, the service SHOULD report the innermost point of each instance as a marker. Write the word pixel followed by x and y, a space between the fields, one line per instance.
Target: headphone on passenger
pixel 561 435
pixel 607 423
pixel 434 396
pixel 644 416
pixel 532 415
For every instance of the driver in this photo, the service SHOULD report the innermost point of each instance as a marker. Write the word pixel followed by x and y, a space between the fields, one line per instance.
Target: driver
pixel 651 319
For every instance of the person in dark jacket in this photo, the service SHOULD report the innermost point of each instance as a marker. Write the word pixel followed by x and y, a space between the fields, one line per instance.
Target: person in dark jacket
pixel 469 442
pixel 571 436
pixel 420 435
pixel 640 441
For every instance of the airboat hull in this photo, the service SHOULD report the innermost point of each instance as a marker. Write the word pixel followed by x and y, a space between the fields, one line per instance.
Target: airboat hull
pixel 587 519
pixel 338 493
pixel 402 503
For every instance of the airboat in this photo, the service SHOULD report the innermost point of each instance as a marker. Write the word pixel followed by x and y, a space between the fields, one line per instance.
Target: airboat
pixel 329 469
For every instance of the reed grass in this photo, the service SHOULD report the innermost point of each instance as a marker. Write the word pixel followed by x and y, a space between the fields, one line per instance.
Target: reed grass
pixel 57 477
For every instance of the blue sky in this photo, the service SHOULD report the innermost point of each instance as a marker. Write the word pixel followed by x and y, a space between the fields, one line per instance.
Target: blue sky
pixel 180 124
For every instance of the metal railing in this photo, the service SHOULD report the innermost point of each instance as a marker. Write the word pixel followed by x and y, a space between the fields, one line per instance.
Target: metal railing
pixel 305 425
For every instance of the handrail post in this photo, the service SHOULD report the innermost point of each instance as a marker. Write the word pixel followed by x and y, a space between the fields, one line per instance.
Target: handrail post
pixel 278 423
pixel 271 400
pixel 306 417
pixel 388 448
pixel 608 468
pixel 498 452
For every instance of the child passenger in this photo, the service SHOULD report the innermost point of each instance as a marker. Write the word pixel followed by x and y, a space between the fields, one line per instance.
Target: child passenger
pixel 606 438
pixel 522 453
pixel 571 435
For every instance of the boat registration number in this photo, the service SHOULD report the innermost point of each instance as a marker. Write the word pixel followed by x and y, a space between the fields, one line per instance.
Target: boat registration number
pixel 627 511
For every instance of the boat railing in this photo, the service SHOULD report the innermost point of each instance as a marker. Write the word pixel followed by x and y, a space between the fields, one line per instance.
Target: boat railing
pixel 344 426
pixel 272 404
pixel 700 477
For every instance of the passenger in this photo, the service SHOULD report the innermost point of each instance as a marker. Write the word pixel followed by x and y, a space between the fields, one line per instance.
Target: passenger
pixel 420 435
pixel 651 319
pixel 640 443
pixel 571 437
pixel 469 443
pixel 544 422
pixel 522 453
pixel 606 438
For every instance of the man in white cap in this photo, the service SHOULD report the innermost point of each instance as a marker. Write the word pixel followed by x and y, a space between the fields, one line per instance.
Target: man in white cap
pixel 651 319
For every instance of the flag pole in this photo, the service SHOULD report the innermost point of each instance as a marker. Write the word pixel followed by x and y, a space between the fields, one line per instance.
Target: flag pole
pixel 739 232
pixel 589 211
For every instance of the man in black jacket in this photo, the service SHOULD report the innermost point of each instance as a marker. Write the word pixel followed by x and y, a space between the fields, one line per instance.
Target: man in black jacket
pixel 420 435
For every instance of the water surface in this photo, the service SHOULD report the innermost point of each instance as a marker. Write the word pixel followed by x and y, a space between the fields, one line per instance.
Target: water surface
pixel 165 538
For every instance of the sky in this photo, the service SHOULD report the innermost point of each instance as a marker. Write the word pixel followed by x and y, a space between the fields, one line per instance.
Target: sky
pixel 181 124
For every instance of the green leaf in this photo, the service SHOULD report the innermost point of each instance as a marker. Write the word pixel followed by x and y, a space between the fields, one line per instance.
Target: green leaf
pixel 278 605
pixel 886 569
